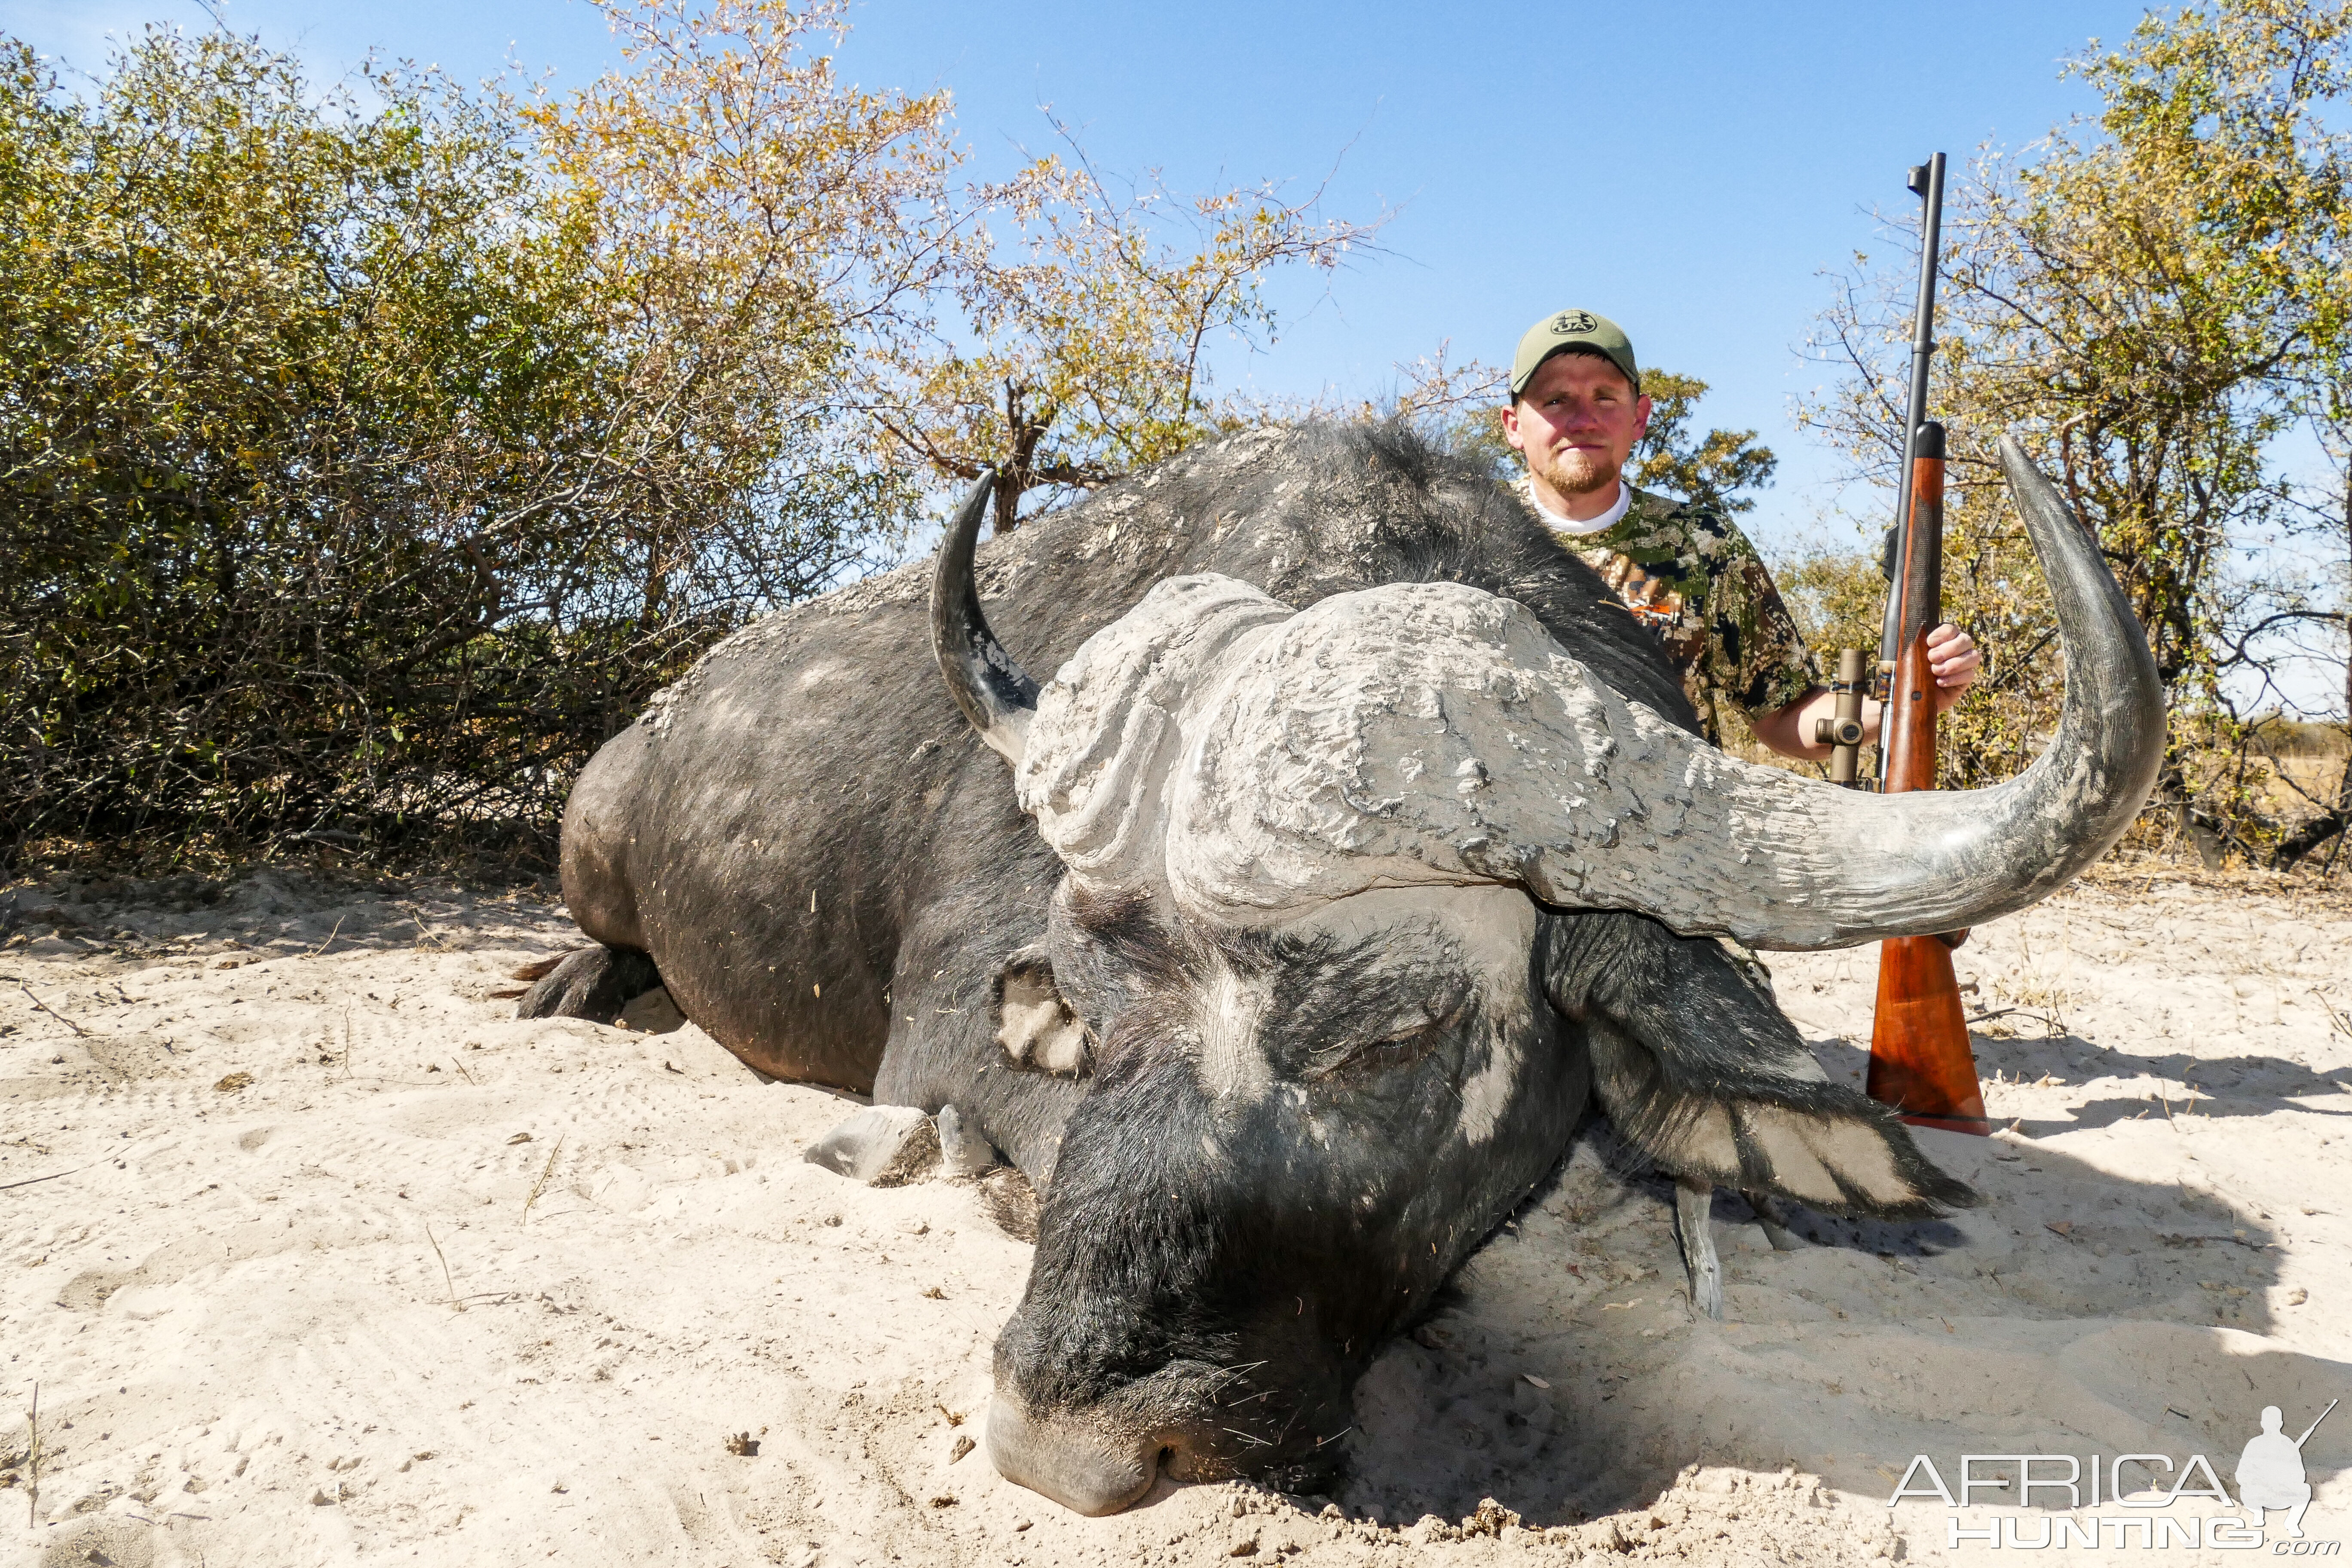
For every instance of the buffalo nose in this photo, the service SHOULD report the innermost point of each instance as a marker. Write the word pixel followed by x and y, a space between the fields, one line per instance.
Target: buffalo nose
pixel 1086 1470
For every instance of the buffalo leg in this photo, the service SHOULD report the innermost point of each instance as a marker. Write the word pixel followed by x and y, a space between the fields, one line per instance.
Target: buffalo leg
pixel 594 983
pixel 1769 1220
pixel 1693 1202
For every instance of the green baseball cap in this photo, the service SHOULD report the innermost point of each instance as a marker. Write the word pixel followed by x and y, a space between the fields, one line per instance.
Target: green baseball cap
pixel 1567 329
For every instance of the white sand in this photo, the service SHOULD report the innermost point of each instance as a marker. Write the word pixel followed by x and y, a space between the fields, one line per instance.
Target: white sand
pixel 247 1351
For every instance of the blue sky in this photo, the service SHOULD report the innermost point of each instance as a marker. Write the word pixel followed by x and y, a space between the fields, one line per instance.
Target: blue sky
pixel 1692 170
pixel 1688 169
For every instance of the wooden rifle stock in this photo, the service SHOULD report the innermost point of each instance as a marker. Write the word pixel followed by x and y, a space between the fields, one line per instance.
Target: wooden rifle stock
pixel 1920 1061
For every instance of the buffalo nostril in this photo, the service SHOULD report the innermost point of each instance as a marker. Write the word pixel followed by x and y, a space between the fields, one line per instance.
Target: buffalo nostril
pixel 1087 1470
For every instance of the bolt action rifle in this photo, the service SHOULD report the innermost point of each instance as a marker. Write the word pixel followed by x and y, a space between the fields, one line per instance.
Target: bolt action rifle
pixel 1920 1061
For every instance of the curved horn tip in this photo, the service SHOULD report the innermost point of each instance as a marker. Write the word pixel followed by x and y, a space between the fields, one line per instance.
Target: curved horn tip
pixel 988 683
pixel 2024 473
pixel 1910 864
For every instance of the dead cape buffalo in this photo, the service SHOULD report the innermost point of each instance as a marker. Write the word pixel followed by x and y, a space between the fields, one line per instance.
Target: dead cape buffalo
pixel 1359 838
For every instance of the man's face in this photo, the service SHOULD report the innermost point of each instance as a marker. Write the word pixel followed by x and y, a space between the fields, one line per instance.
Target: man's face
pixel 1576 423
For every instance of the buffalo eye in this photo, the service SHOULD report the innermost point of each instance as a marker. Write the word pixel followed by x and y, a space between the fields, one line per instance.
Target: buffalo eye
pixel 1408 1033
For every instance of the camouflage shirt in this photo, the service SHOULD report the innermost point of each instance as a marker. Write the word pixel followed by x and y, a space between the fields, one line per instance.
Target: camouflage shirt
pixel 1693 578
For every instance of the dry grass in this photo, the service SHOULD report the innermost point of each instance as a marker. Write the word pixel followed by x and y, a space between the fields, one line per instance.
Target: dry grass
pixel 32 1460
pixel 446 1277
pixel 540 1186
pixel 2289 784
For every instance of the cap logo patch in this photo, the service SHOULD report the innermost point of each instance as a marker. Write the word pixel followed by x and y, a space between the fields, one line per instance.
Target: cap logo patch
pixel 1568 322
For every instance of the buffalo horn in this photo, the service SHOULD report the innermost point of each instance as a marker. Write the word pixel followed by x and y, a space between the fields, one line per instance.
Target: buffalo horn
pixel 1942 861
pixel 1430 733
pixel 994 692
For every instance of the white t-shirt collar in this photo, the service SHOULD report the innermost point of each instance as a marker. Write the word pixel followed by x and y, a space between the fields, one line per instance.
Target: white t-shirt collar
pixel 1601 524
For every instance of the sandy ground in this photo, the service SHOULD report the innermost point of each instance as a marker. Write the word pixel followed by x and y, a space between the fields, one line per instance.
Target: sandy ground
pixel 317 1255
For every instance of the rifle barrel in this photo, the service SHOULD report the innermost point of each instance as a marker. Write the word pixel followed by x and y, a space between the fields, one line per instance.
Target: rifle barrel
pixel 2308 1431
pixel 1929 182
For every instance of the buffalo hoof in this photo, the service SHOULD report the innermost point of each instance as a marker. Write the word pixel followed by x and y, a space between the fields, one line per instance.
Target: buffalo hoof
pixel 1086 1471
pixel 882 1146
pixel 594 983
pixel 964 1150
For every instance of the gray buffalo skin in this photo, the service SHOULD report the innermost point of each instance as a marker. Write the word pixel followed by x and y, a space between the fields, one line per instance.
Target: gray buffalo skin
pixel 1280 1142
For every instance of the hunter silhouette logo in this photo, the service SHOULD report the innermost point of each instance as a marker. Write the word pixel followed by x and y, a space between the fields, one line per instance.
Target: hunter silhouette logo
pixel 2270 1477
pixel 1568 322
pixel 2270 1471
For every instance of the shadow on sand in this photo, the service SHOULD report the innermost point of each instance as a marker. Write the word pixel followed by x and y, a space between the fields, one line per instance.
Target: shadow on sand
pixel 2075 1311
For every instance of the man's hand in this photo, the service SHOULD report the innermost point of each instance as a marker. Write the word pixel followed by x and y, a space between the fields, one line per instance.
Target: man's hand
pixel 1952 654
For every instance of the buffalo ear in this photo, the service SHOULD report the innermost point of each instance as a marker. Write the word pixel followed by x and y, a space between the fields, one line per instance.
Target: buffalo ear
pixel 1036 1027
pixel 1698 1069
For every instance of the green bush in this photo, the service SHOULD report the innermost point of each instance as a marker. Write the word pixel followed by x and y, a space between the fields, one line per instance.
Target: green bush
pixel 340 500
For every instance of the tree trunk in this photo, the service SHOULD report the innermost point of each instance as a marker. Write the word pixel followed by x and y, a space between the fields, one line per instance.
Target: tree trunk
pixel 1019 471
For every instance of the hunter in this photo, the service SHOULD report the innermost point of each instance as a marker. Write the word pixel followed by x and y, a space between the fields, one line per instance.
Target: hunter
pixel 1577 412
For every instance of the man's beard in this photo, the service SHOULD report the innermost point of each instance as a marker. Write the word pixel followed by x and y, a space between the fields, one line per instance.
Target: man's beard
pixel 1575 473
